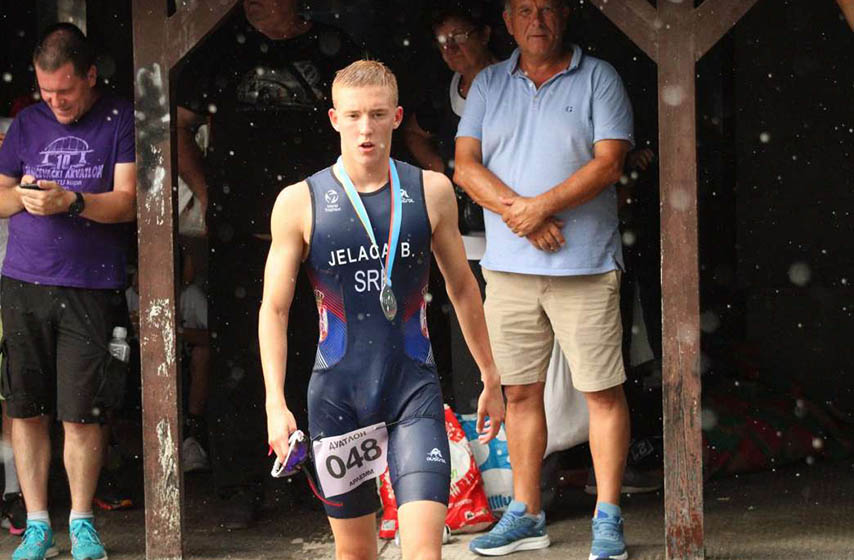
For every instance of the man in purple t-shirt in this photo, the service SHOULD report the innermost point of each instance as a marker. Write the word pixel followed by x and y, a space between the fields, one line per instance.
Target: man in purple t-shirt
pixel 67 184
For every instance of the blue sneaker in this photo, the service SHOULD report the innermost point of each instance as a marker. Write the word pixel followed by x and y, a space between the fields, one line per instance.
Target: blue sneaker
pixel 85 543
pixel 608 543
pixel 37 543
pixel 515 531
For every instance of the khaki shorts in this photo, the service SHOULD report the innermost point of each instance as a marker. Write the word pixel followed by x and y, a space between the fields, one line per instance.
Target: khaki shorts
pixel 525 312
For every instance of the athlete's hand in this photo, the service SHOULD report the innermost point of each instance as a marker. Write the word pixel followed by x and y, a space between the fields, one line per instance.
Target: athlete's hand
pixel 280 425
pixel 51 199
pixel 490 412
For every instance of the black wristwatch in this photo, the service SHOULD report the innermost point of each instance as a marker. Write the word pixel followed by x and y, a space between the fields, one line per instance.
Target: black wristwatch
pixel 77 206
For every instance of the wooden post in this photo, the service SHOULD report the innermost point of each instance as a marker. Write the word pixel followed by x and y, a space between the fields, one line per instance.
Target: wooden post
pixel 848 11
pixel 159 43
pixel 675 36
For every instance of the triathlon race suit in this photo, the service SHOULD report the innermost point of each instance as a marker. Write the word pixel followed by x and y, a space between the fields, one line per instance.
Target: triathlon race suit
pixel 370 369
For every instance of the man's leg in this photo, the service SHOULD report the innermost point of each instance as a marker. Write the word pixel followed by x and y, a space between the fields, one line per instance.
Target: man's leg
pixel 525 423
pixel 83 455
pixel 609 440
pixel 31 445
pixel 355 539
pixel 421 526
pixel 522 339
pixel 585 313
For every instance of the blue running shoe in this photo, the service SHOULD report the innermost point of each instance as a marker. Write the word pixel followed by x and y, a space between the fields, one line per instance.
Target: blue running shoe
pixel 37 543
pixel 515 531
pixel 85 542
pixel 608 543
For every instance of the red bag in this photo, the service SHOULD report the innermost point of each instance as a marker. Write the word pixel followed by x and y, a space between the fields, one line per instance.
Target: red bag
pixel 468 510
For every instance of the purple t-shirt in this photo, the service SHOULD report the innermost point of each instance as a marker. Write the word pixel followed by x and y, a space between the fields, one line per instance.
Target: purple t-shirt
pixel 63 250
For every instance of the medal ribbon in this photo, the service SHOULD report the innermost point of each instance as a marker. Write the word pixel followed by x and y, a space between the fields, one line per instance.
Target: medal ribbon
pixel 394 219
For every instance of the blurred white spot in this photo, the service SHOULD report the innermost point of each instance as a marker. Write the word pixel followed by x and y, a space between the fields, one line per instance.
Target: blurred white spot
pixel 708 419
pixel 764 137
pixel 799 274
pixel 406 42
pixel 686 333
pixel 810 460
pixel 673 95
pixel 7 77
pixel 817 443
pixel 624 180
pixel 680 200
pixel 629 238
pixel 241 38
pixel 800 409
pixel 212 108
pixel 709 322
pixel 428 297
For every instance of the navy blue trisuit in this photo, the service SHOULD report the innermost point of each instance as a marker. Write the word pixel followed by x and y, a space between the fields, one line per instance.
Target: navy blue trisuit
pixel 369 369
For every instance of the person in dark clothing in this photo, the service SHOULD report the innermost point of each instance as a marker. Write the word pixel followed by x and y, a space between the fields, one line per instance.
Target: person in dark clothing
pixel 262 82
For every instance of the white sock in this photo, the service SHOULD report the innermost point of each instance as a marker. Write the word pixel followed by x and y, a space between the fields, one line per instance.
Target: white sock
pixel 11 486
pixel 42 516
pixel 79 515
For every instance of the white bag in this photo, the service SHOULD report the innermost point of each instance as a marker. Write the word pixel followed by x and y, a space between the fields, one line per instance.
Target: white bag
pixel 566 408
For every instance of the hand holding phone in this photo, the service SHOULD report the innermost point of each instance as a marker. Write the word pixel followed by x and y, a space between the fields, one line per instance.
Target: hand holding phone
pixel 31 186
pixel 297 455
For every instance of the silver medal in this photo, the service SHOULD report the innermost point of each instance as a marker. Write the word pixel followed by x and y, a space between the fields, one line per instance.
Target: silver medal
pixel 388 302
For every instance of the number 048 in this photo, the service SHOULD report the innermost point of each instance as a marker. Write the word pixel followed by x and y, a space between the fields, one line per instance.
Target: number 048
pixel 370 452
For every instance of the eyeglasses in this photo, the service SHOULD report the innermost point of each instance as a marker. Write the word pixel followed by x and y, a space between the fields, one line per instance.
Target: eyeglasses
pixel 445 42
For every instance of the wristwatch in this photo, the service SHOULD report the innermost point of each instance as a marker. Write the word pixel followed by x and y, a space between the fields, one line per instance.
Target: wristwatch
pixel 78 205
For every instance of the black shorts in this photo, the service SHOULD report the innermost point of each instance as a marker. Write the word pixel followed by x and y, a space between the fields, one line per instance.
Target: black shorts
pixel 55 351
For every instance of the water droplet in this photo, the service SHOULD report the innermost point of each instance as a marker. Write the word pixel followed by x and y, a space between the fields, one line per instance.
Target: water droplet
pixel 629 238
pixel 799 274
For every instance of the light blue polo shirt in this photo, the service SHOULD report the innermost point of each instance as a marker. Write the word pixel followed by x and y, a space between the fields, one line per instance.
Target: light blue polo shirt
pixel 534 139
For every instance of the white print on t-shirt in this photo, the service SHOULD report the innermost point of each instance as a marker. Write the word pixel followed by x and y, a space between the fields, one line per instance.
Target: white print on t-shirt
pixel 269 89
pixel 64 160
pixel 365 253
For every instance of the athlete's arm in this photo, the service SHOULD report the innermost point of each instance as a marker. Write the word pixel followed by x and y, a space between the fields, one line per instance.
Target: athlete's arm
pixel 464 294
pixel 288 248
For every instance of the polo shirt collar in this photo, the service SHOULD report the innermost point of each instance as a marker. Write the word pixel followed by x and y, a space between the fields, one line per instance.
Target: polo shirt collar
pixel 577 54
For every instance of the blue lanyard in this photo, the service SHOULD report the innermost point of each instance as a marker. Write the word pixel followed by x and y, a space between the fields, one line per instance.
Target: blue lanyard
pixel 394 222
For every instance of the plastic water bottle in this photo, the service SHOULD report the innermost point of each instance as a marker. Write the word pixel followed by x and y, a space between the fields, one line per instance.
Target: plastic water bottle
pixel 119 347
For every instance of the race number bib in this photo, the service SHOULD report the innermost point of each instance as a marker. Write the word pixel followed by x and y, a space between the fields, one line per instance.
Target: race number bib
pixel 344 462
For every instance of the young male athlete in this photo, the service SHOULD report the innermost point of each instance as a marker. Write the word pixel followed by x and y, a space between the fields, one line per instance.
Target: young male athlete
pixel 364 228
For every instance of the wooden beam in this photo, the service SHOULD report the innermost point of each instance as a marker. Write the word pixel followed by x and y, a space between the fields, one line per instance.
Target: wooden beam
pixel 161 427
pixel 158 45
pixel 847 7
pixel 637 19
pixel 680 286
pixel 713 19
pixel 191 23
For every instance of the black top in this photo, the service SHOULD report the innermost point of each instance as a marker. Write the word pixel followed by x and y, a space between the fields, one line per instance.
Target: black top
pixel 268 102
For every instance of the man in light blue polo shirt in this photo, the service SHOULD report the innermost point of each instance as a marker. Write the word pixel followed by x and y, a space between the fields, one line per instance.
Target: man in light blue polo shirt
pixel 540 145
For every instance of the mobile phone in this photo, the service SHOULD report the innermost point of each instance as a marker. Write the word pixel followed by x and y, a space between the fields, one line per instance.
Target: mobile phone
pixel 31 186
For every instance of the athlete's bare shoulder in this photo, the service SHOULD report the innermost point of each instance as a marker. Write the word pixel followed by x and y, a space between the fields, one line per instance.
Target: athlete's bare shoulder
pixel 292 211
pixel 439 197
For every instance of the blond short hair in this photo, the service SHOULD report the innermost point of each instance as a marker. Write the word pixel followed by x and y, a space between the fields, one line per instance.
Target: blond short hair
pixel 366 73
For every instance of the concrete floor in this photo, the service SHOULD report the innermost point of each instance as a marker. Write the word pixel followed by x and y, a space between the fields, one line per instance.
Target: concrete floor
pixel 797 512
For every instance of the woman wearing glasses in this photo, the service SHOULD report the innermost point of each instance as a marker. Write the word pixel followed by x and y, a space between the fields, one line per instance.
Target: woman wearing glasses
pixel 429 132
